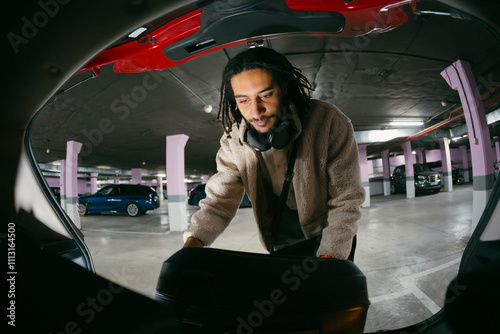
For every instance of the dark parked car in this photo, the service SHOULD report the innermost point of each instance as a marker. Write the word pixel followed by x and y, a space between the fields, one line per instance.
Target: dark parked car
pixel 425 179
pixel 198 193
pixel 124 198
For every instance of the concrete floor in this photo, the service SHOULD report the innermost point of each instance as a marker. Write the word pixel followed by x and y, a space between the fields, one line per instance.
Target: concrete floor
pixel 409 250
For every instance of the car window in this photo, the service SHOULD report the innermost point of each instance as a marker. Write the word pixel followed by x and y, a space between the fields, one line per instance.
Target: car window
pixel 127 191
pixel 422 168
pixel 106 191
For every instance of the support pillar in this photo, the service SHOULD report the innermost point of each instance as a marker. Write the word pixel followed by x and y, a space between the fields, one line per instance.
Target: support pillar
pixel 205 179
pixel 62 184
pixel 444 144
pixel 410 175
pixel 116 181
pixel 176 190
pixel 93 183
pixel 136 176
pixel 420 155
pixel 159 181
pixel 365 178
pixel 460 78
pixel 497 149
pixel 72 150
pixel 465 163
pixel 386 167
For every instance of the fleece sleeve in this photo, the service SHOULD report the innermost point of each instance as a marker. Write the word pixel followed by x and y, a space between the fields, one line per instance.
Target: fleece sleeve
pixel 345 191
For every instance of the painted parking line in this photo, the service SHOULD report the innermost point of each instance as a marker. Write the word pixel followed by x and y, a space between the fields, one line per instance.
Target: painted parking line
pixel 411 289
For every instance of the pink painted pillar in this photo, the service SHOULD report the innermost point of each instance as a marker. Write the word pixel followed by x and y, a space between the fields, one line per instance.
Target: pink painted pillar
pixel 159 181
pixel 93 183
pixel 465 163
pixel 444 145
pixel 420 155
pixel 205 179
pixel 460 78
pixel 72 150
pixel 176 190
pixel 410 175
pixel 62 184
pixel 386 167
pixel 136 176
pixel 497 149
pixel 116 181
pixel 365 174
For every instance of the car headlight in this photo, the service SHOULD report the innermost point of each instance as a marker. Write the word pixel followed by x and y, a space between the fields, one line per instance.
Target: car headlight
pixel 421 178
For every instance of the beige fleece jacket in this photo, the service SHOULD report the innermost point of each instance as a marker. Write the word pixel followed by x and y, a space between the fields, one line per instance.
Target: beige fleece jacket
pixel 326 180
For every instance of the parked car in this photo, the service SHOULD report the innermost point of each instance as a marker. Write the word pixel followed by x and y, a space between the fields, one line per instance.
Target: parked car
pixel 124 198
pixel 57 193
pixel 198 193
pixel 425 179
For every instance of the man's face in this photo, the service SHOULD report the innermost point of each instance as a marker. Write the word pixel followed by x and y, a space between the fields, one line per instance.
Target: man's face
pixel 259 98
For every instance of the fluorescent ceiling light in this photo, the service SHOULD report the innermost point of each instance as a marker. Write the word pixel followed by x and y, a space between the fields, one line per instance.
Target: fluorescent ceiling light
pixel 382 135
pixel 406 123
pixel 137 32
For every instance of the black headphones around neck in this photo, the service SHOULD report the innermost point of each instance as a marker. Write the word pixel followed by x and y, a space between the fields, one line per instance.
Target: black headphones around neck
pixel 278 137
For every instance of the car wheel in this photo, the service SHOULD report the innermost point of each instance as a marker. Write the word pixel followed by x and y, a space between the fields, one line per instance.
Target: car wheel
pixel 83 209
pixel 133 209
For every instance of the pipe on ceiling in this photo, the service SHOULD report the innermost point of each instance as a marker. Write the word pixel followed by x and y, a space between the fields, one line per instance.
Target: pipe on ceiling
pixel 442 123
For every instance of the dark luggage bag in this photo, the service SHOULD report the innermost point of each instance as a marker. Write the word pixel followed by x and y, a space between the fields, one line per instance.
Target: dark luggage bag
pixel 220 291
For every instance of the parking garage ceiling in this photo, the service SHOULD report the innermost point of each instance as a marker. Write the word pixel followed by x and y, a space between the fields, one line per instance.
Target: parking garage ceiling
pixel 123 118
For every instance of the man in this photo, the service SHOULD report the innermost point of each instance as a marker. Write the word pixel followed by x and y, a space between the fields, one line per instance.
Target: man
pixel 265 108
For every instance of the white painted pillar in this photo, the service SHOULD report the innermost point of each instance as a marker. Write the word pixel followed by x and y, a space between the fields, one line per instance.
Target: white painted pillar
pixel 72 150
pixel 176 190
pixel 444 144
pixel 386 169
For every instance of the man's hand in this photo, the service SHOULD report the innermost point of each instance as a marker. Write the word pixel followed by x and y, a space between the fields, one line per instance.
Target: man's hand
pixel 193 242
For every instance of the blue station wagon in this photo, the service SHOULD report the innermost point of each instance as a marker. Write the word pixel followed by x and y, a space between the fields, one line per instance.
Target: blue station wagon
pixel 124 198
